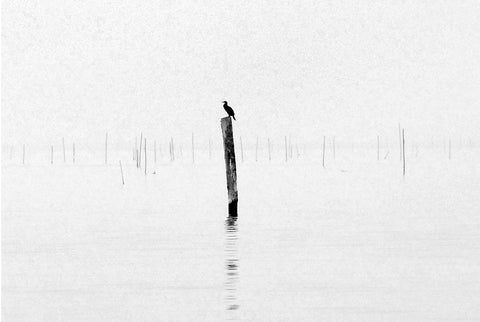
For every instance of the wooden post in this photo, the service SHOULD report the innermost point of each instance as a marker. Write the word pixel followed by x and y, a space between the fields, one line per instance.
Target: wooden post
pixel 121 171
pixel 230 165
pixel 323 154
pixel 286 150
pixel 145 152
pixel 403 150
pixel 106 142
pixel 63 145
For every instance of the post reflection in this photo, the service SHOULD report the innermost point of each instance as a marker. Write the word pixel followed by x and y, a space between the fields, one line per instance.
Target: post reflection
pixel 231 265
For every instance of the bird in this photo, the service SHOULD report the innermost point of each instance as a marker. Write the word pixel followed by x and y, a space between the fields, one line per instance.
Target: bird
pixel 229 110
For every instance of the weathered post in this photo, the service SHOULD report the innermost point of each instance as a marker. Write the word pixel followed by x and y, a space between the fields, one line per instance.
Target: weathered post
pixel 230 165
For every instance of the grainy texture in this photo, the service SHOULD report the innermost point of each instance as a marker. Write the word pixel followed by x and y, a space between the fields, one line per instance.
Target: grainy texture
pixel 230 165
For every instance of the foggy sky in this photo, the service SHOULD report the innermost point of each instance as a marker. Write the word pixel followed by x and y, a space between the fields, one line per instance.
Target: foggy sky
pixel 303 68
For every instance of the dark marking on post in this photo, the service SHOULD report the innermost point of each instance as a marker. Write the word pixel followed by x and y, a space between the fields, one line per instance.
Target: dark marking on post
pixel 230 165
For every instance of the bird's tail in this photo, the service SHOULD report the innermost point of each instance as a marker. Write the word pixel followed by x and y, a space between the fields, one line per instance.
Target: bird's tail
pixel 234 117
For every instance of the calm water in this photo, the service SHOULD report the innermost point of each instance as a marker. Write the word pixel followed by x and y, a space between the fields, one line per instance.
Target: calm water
pixel 346 243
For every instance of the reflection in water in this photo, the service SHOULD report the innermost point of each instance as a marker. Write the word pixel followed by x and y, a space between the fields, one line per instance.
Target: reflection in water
pixel 231 264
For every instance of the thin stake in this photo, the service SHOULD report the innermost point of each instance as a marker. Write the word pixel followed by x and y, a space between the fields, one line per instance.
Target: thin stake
pixel 145 148
pixel 286 150
pixel 155 151
pixel 121 171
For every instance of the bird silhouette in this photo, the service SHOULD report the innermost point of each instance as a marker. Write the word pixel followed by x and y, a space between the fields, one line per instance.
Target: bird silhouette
pixel 229 110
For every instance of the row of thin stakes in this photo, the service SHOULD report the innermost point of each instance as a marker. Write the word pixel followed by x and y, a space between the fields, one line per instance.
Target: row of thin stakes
pixel 291 150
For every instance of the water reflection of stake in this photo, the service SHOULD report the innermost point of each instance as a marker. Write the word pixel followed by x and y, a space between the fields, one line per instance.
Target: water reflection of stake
pixel 230 165
pixel 231 264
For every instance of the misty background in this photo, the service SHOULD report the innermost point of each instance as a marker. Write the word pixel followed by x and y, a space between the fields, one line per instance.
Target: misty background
pixel 77 69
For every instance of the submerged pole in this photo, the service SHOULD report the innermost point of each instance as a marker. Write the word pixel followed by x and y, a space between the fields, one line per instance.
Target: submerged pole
pixel 230 165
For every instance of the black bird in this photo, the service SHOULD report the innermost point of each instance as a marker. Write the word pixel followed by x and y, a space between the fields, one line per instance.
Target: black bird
pixel 229 110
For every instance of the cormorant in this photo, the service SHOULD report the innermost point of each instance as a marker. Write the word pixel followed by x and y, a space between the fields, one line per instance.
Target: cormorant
pixel 229 110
